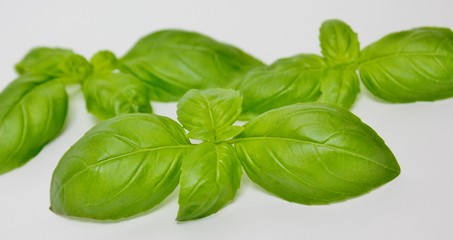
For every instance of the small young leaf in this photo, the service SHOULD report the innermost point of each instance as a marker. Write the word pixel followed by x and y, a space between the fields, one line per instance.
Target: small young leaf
pixel 171 62
pixel 209 112
pixel 110 94
pixel 210 177
pixel 121 167
pixel 32 113
pixel 409 66
pixel 339 43
pixel 286 81
pixel 43 60
pixel 104 62
pixel 340 86
pixel 313 153
pixel 75 69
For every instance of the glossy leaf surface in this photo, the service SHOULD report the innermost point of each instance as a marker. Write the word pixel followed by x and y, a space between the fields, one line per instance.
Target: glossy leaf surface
pixel 314 153
pixel 43 60
pixel 339 43
pixel 286 81
pixel 121 167
pixel 32 113
pixel 111 94
pixel 210 177
pixel 340 85
pixel 209 114
pixel 171 62
pixel 409 66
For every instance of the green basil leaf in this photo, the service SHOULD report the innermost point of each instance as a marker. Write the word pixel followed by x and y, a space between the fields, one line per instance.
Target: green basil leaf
pixel 339 43
pixel 171 62
pixel 228 132
pixel 43 60
pixel 210 177
pixel 215 135
pixel 104 62
pixel 32 113
pixel 121 167
pixel 207 112
pixel 314 153
pixel 409 66
pixel 110 94
pixel 340 86
pixel 286 81
pixel 74 69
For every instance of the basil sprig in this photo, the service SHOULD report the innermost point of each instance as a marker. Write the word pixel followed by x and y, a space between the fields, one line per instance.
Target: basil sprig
pixel 309 153
pixel 307 77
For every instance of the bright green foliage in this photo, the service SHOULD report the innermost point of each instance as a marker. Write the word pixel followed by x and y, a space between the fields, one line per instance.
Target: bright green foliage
pixel 104 62
pixel 171 62
pixel 314 153
pixel 287 81
pixel 59 63
pixel 309 153
pixel 210 177
pixel 43 60
pixel 210 114
pixel 32 112
pixel 307 77
pixel 75 69
pixel 111 94
pixel 339 43
pixel 138 156
pixel 409 66
pixel 121 167
pixel 340 85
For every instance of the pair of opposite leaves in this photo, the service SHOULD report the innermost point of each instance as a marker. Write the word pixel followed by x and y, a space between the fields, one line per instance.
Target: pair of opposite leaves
pixel 310 153
pixel 401 67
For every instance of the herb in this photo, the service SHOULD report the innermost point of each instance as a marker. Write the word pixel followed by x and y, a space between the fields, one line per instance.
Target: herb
pixel 409 66
pixel 210 177
pixel 109 94
pixel 314 153
pixel 171 62
pixel 43 60
pixel 121 167
pixel 33 107
pixel 32 112
pixel 307 77
pixel 309 153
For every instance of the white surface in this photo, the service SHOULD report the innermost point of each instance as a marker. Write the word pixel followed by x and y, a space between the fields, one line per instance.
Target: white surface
pixel 416 205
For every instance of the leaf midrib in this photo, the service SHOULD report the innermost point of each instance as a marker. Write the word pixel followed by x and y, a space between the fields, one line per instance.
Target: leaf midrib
pixel 316 144
pixel 107 160
pixel 395 55
pixel 26 93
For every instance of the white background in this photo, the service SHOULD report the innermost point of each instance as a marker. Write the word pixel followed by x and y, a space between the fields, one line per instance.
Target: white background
pixel 416 205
